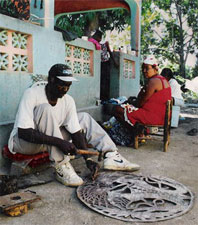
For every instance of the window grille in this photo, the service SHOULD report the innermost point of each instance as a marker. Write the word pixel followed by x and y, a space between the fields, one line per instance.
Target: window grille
pixel 15 51
pixel 129 69
pixel 80 60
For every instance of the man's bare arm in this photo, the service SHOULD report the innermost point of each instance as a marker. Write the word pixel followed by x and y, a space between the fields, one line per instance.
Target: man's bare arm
pixel 36 137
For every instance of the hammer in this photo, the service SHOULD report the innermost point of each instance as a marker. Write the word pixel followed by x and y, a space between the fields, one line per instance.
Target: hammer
pixel 86 152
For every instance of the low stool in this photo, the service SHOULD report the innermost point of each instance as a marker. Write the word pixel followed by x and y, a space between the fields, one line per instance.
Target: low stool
pixel 25 164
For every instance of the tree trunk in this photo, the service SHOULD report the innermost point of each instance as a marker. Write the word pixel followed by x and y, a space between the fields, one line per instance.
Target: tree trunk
pixel 182 67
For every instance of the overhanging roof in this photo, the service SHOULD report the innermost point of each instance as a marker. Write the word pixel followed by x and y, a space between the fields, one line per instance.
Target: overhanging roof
pixel 77 6
pixel 68 6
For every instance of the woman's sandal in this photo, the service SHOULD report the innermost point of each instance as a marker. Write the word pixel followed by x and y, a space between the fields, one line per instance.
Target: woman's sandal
pixel 142 138
pixel 192 132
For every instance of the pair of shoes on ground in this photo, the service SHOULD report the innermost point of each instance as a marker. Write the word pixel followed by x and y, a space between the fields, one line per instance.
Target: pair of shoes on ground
pixel 66 174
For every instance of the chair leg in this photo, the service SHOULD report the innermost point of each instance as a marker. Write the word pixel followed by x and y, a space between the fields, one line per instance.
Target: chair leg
pixel 166 139
pixel 165 146
pixel 136 142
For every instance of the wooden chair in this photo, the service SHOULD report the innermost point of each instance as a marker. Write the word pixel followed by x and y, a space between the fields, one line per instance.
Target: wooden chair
pixel 165 129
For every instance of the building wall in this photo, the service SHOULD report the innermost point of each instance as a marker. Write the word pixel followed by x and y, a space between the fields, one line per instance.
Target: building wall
pixel 125 80
pixel 46 47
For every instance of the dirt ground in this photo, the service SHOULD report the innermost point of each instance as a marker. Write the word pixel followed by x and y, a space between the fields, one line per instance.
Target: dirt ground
pixel 60 205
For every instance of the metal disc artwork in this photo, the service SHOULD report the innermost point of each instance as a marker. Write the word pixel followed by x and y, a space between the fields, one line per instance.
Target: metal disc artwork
pixel 136 198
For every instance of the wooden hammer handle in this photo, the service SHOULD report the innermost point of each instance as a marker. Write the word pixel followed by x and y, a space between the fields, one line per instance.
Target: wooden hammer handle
pixel 86 152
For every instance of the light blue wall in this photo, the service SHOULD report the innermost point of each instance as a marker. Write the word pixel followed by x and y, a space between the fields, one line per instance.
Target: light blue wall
pixel 120 86
pixel 88 87
pixel 129 87
pixel 48 49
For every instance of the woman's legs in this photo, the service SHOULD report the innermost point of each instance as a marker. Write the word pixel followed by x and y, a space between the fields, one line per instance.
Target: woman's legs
pixel 118 113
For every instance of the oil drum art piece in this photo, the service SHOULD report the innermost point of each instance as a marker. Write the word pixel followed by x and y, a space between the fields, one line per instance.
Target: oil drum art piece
pixel 136 198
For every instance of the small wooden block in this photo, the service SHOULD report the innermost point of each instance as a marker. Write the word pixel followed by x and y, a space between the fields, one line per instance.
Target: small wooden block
pixel 16 204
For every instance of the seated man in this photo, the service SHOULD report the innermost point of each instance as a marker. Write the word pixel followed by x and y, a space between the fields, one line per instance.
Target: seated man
pixel 45 114
pixel 151 101
pixel 176 91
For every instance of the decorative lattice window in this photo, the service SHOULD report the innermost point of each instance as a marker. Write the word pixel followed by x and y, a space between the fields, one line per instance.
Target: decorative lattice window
pixel 129 69
pixel 15 51
pixel 80 60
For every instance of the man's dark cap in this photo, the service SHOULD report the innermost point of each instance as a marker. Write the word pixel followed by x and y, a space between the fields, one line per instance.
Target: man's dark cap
pixel 62 72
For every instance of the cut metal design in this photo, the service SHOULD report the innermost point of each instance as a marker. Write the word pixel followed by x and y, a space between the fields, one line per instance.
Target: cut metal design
pixel 136 198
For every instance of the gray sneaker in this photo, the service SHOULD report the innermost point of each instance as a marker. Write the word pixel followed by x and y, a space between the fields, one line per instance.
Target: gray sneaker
pixel 66 174
pixel 114 161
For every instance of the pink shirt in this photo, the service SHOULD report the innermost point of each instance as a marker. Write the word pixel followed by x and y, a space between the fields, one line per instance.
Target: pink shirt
pixel 96 43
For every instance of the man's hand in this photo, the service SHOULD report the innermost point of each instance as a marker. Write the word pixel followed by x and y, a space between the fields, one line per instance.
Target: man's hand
pixel 93 167
pixel 67 147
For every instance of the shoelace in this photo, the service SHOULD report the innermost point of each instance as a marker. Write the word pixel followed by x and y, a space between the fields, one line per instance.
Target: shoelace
pixel 65 160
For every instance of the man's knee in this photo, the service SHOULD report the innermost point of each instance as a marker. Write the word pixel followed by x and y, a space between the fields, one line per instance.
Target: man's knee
pixel 83 116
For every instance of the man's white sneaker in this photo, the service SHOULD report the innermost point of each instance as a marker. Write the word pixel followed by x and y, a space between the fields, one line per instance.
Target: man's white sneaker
pixel 114 161
pixel 66 175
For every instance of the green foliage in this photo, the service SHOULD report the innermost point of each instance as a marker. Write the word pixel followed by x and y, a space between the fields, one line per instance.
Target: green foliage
pixel 15 8
pixel 82 24
pixel 170 30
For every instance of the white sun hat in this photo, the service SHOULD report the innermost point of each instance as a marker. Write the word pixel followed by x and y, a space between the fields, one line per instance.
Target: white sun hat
pixel 150 60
